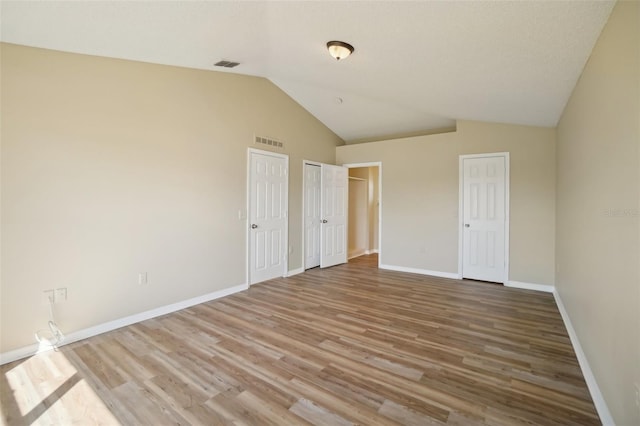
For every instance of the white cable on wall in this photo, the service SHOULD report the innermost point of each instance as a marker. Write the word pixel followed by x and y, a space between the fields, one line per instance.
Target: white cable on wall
pixel 56 335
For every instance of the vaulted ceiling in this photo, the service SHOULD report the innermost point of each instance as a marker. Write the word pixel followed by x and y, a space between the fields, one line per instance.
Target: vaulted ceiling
pixel 417 66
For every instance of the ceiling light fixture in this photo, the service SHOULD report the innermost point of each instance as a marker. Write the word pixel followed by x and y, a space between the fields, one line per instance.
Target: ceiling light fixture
pixel 339 49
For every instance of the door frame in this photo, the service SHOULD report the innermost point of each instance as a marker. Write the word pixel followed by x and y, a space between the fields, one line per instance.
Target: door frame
pixel 507 213
pixel 304 178
pixel 359 181
pixel 377 164
pixel 285 262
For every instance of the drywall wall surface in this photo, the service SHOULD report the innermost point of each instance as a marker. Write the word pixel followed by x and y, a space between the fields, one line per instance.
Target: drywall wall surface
pixel 532 193
pixel 112 168
pixel 598 229
pixel 420 186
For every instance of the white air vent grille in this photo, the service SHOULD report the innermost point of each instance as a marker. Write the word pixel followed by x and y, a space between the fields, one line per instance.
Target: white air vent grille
pixel 269 142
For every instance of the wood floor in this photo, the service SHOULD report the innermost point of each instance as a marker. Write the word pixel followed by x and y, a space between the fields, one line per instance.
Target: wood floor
pixel 347 345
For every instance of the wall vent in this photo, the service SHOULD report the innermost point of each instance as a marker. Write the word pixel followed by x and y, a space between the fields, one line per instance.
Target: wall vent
pixel 269 142
pixel 226 64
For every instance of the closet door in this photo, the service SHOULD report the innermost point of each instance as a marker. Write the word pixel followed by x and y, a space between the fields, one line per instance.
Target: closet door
pixel 334 190
pixel 312 207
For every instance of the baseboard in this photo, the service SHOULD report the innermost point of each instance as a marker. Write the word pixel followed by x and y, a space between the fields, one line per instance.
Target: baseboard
pixel 451 275
pixel 529 286
pixel 295 272
pixel 594 390
pixel 75 336
pixel 357 254
pixel 362 253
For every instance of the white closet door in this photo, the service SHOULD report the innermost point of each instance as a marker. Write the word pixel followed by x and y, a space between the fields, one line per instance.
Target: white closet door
pixel 333 241
pixel 312 207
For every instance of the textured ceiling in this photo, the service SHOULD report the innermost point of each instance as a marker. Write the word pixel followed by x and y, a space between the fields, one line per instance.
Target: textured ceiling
pixel 417 66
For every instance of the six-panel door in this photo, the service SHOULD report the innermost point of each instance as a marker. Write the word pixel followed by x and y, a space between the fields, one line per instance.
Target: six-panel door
pixel 312 207
pixel 484 217
pixel 267 217
pixel 333 242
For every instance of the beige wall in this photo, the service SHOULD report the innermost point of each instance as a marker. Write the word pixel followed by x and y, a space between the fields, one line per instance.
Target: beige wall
pixel 420 195
pixel 597 211
pixel 111 168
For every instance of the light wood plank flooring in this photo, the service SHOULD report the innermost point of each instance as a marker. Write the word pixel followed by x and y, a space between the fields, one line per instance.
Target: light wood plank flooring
pixel 347 345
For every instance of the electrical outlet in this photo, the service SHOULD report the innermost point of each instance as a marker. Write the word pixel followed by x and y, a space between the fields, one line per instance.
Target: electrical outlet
pixel 142 278
pixel 60 295
pixel 48 296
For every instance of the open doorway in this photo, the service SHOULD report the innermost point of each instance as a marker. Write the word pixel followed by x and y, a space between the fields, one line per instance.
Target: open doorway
pixel 364 209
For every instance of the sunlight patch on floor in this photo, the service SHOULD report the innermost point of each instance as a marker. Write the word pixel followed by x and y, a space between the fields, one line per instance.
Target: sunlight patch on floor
pixel 47 389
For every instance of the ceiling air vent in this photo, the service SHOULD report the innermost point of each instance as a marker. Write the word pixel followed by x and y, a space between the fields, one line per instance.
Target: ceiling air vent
pixel 269 142
pixel 227 64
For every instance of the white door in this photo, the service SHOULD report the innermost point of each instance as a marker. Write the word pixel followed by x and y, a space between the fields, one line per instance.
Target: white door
pixel 268 187
pixel 312 215
pixel 333 240
pixel 484 218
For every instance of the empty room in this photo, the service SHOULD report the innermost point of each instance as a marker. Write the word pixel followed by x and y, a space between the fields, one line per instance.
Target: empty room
pixel 320 212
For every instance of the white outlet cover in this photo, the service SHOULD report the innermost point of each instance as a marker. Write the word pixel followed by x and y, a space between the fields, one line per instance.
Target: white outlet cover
pixel 60 295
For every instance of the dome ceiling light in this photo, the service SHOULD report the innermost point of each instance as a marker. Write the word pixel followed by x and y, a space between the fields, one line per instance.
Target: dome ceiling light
pixel 339 49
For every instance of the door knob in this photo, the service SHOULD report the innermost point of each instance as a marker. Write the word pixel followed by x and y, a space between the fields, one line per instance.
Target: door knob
pixel 254 226
pixel 324 220
pixel 466 225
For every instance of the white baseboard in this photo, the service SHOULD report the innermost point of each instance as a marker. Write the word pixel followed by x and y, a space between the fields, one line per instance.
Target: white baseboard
pixel 295 272
pixel 452 275
pixel 30 350
pixel 594 390
pixel 26 351
pixel 357 254
pixel 362 253
pixel 529 286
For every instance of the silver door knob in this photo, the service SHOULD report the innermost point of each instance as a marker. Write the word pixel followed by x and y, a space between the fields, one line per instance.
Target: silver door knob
pixel 254 226
pixel 466 225
pixel 324 220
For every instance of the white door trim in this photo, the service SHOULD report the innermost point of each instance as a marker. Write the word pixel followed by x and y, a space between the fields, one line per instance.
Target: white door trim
pixel 505 155
pixel 248 213
pixel 304 252
pixel 377 164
